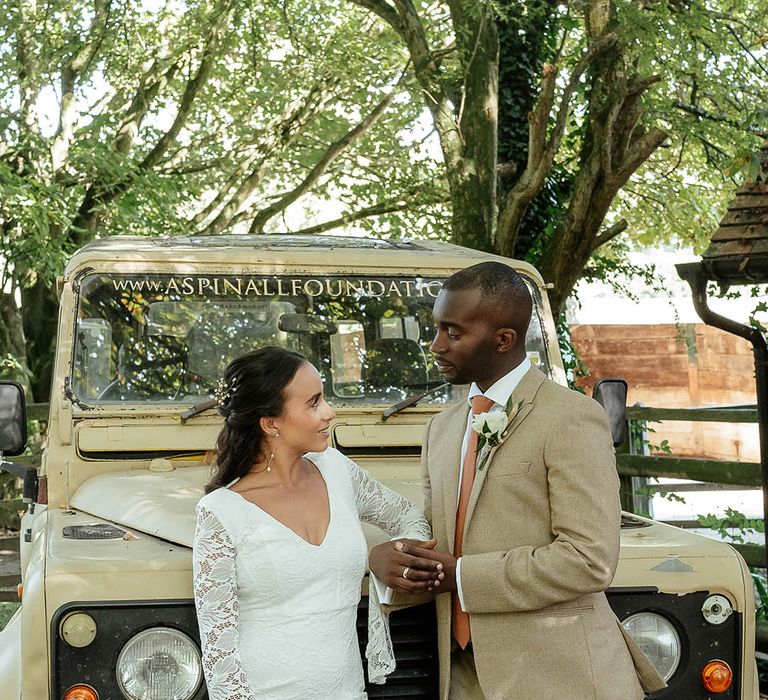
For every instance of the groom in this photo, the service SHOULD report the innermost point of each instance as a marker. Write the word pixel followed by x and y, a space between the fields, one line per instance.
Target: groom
pixel 527 532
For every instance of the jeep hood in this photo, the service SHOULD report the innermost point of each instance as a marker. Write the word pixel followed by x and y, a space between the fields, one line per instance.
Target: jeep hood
pixel 161 504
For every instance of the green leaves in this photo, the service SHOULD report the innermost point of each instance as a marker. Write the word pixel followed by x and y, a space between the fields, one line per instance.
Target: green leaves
pixel 733 526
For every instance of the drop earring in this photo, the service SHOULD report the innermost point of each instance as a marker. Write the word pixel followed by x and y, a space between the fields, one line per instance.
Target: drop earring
pixel 272 453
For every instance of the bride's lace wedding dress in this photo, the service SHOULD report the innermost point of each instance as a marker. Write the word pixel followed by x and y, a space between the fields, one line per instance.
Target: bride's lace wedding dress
pixel 277 613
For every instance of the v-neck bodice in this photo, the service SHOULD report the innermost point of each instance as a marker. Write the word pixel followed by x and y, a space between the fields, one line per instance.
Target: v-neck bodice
pixel 268 550
pixel 279 522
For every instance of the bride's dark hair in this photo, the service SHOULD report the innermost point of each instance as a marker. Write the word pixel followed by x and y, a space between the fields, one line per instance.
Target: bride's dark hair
pixel 252 388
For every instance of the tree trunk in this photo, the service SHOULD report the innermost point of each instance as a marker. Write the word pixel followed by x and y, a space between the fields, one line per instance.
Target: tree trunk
pixel 473 182
pixel 12 341
pixel 41 312
pixel 11 330
pixel 615 145
pixel 572 242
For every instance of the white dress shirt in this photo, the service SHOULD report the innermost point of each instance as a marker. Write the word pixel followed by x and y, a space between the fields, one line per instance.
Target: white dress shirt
pixel 499 393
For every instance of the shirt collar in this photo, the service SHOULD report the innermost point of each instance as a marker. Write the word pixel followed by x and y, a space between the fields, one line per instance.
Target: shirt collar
pixel 502 389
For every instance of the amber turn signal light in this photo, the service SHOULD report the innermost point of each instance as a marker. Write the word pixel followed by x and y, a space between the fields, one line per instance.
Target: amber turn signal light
pixel 81 692
pixel 717 676
pixel 20 590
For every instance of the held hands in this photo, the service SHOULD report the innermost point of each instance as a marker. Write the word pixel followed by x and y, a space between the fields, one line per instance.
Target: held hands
pixel 425 570
pixel 444 560
pixel 389 561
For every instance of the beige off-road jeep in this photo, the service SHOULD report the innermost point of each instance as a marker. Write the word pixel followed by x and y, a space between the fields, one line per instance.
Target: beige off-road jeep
pixel 146 326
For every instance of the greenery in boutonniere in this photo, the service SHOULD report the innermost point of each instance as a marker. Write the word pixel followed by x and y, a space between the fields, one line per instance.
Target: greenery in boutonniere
pixel 492 429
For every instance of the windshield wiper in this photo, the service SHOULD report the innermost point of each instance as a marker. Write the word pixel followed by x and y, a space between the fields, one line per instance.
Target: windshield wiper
pixel 196 410
pixel 411 401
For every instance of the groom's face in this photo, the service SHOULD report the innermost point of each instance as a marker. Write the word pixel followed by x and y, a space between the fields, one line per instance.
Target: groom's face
pixel 465 344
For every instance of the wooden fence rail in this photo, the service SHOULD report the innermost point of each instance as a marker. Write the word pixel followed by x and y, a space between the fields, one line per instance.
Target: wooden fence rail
pixel 710 471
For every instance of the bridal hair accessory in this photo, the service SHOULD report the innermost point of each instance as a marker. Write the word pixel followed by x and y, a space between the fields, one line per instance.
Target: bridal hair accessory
pixel 405 571
pixel 492 428
pixel 224 390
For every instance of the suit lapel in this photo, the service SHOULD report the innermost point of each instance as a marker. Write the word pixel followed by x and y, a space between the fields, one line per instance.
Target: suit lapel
pixel 448 458
pixel 524 392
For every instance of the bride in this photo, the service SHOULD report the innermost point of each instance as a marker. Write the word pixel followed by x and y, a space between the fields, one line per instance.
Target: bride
pixel 279 553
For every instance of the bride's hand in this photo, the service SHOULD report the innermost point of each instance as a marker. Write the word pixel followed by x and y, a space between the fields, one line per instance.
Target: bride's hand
pixel 388 562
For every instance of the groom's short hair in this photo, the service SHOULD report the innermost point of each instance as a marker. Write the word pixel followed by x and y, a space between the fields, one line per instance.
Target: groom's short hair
pixel 503 289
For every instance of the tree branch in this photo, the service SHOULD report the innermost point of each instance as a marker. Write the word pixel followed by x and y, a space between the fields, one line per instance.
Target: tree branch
pixel 126 134
pixel 201 166
pixel 70 73
pixel 384 10
pixel 99 193
pixel 542 150
pixel 542 147
pixel 598 48
pixel 609 122
pixel 415 38
pixel 193 86
pixel 330 155
pixel 539 116
pixel 611 232
pixel 427 71
pixel 386 207
pixel 459 21
pixel 702 113
pixel 629 116
pixel 280 135
pixel 27 64
pixel 638 152
pixel 757 61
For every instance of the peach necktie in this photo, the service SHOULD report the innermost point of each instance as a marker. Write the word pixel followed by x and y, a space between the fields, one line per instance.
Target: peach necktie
pixel 460 619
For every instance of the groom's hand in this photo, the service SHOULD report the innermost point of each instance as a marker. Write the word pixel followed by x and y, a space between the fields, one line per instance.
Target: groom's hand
pixel 446 561
pixel 388 562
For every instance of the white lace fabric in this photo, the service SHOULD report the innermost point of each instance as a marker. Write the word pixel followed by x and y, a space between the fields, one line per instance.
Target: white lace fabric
pixel 398 517
pixel 215 589
pixel 276 613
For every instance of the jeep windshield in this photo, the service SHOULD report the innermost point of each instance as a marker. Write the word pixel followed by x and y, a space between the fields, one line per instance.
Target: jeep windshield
pixel 167 338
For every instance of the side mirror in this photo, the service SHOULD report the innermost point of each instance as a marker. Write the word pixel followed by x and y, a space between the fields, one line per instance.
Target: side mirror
pixel 13 418
pixel 611 394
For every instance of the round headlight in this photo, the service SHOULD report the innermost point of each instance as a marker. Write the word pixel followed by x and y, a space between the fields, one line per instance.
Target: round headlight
pixel 658 639
pixel 159 664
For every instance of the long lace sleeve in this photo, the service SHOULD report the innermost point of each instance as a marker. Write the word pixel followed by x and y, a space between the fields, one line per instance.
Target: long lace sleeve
pixel 398 517
pixel 215 590
pixel 385 508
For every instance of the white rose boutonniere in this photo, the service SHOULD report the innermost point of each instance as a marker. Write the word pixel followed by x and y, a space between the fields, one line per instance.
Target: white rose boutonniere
pixel 492 429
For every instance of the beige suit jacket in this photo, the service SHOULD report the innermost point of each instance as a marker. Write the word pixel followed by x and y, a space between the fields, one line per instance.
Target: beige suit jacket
pixel 541 544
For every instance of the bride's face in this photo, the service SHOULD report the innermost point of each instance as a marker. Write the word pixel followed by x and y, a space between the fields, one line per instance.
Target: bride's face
pixel 306 419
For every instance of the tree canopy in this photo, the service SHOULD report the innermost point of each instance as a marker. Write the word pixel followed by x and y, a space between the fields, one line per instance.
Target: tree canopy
pixel 182 117
pixel 544 130
pixel 611 114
